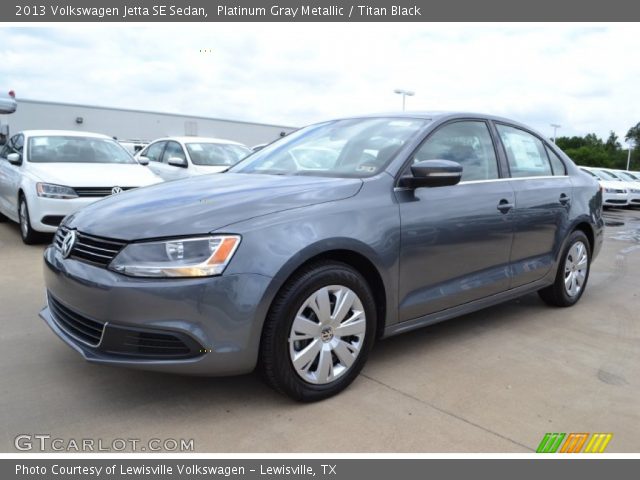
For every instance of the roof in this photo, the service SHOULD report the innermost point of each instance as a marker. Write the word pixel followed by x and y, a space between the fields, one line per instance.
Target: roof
pixel 201 140
pixel 66 133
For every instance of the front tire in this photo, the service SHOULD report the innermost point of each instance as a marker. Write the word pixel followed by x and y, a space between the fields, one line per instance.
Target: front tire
pixel 573 273
pixel 318 332
pixel 28 234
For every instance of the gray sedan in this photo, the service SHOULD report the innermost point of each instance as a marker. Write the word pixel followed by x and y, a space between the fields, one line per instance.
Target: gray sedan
pixel 297 267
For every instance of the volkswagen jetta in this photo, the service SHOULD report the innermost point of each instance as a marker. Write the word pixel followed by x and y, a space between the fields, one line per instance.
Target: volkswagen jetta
pixel 298 267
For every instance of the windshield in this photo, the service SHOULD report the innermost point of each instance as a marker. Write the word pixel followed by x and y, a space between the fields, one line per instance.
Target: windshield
pixel 590 173
pixel 607 175
pixel 216 154
pixel 343 148
pixel 68 149
pixel 628 176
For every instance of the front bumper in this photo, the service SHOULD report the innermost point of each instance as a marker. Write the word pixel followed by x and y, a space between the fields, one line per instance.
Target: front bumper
pixel 41 207
pixel 615 199
pixel 220 318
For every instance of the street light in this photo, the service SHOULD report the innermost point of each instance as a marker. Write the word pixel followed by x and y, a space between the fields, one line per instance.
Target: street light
pixel 555 130
pixel 405 94
pixel 629 147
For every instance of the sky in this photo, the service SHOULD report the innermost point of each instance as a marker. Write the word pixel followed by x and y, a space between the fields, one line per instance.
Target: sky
pixel 585 77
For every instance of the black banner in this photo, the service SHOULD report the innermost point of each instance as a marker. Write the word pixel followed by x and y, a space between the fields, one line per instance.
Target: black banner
pixel 314 11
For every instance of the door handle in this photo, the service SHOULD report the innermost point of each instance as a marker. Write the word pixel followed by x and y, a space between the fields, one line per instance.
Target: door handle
pixel 504 205
pixel 564 199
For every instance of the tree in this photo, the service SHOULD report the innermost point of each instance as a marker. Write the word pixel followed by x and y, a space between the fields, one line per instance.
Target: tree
pixel 612 144
pixel 633 135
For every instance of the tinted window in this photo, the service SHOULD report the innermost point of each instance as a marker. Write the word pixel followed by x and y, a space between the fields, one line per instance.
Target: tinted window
pixel 154 151
pixel 468 143
pixel 69 149
pixel 173 150
pixel 526 153
pixel 18 144
pixel 557 165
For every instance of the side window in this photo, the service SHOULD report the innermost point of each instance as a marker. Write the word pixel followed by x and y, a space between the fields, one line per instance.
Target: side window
pixel 18 143
pixel 153 151
pixel 468 143
pixel 526 154
pixel 557 165
pixel 173 150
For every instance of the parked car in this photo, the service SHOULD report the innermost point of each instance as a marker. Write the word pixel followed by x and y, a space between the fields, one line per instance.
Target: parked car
pixel 8 102
pixel 419 219
pixel 173 158
pixel 48 174
pixel 613 193
pixel 631 186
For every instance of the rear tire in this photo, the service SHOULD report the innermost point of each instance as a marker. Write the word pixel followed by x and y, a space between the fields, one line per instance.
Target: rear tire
pixel 573 273
pixel 318 332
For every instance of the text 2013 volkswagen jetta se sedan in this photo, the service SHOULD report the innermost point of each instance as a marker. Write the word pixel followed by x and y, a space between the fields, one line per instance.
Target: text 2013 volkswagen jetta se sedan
pixel 298 265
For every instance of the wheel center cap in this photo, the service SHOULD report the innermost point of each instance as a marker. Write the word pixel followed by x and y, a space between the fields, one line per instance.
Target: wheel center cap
pixel 327 334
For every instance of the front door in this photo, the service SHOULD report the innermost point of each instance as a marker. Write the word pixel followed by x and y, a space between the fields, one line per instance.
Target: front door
pixel 455 240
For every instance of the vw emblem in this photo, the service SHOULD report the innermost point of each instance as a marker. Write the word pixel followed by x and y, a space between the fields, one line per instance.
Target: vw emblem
pixel 67 243
pixel 115 190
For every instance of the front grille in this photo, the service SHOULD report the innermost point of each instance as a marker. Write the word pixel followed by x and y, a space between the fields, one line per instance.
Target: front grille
pixel 75 324
pixel 613 200
pixel 98 191
pixel 91 249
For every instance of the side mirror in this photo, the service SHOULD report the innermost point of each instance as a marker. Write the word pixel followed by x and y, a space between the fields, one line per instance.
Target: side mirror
pixel 433 173
pixel 178 162
pixel 14 158
pixel 143 160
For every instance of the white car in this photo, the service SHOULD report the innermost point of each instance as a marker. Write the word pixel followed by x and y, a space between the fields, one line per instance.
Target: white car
pixel 46 175
pixel 179 157
pixel 613 193
pixel 632 187
pixel 8 102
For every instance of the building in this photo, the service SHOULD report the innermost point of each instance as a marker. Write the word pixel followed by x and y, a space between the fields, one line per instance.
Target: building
pixel 134 124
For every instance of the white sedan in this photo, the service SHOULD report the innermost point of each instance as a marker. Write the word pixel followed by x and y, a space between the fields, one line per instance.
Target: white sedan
pixel 179 157
pixel 614 194
pixel 46 175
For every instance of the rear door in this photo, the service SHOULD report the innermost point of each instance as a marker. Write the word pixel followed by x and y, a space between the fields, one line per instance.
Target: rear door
pixel 543 199
pixel 455 240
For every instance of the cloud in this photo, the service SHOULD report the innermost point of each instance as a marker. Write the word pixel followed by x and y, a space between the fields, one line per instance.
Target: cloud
pixel 578 75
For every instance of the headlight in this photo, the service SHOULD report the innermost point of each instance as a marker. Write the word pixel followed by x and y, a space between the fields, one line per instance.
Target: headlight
pixel 182 257
pixel 49 190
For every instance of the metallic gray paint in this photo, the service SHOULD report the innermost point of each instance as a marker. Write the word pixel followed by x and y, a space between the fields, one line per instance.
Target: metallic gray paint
pixel 439 252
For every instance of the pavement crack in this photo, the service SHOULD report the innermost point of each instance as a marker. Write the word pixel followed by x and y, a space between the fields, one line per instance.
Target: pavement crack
pixel 446 412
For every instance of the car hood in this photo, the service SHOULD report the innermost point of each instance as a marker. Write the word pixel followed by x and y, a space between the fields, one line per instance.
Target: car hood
pixel 94 174
pixel 614 184
pixel 205 203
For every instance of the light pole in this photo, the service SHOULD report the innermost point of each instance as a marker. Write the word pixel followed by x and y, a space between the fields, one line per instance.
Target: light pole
pixel 629 145
pixel 555 130
pixel 405 94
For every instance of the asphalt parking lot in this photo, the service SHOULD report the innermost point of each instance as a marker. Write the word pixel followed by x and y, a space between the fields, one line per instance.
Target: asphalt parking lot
pixel 493 381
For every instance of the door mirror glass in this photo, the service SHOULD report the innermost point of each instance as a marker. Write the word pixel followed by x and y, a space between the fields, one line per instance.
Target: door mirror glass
pixel 433 173
pixel 14 158
pixel 177 162
pixel 143 160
